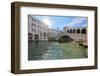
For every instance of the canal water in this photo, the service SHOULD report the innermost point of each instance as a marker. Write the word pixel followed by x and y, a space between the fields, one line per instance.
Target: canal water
pixel 49 50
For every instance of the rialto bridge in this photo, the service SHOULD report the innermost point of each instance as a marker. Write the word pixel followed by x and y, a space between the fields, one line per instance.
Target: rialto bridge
pixel 77 35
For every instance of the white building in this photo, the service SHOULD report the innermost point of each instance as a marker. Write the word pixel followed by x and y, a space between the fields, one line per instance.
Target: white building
pixel 81 34
pixel 77 30
pixel 52 33
pixel 37 30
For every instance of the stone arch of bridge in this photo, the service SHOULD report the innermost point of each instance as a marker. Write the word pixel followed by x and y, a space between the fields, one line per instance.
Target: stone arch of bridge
pixel 63 36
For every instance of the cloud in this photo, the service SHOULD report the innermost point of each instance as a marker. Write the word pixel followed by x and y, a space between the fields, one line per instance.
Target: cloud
pixel 84 25
pixel 76 21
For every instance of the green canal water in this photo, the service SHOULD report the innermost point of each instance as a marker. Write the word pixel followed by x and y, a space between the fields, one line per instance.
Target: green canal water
pixel 45 50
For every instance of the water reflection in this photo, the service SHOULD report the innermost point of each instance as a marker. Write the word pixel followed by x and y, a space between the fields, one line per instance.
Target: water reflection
pixel 45 50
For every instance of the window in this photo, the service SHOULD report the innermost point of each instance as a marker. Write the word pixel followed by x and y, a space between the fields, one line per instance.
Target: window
pixel 78 30
pixel 44 34
pixel 36 37
pixel 83 31
pixel 33 24
pixel 32 29
pixel 68 31
pixel 74 31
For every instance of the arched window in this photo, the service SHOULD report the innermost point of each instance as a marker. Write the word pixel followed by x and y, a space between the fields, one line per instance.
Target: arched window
pixel 36 37
pixel 68 31
pixel 78 30
pixel 71 31
pixel 74 31
pixel 83 31
pixel 44 34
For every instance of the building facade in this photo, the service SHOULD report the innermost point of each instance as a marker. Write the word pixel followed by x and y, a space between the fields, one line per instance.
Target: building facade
pixel 81 30
pixel 37 30
pixel 80 34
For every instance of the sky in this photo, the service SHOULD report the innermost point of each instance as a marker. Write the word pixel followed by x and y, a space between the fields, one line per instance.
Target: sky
pixel 58 22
